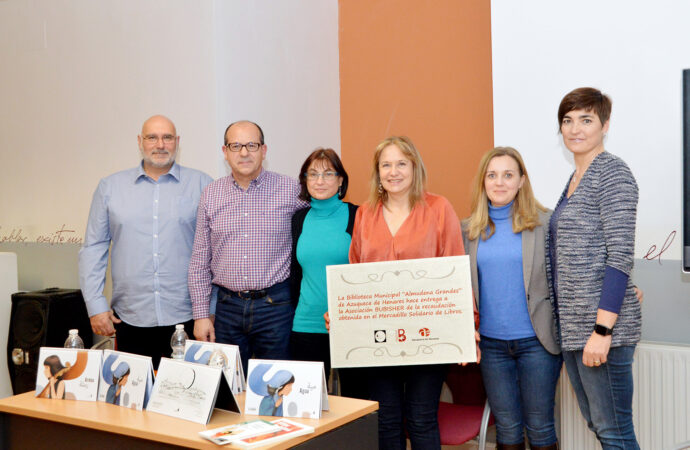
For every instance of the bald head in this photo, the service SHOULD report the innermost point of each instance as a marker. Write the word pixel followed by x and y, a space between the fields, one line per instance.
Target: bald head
pixel 158 121
pixel 243 124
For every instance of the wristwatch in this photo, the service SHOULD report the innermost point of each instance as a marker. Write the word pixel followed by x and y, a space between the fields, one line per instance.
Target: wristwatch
pixel 603 330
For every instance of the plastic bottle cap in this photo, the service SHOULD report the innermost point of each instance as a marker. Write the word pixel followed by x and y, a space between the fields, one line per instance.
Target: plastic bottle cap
pixel 179 326
pixel 73 331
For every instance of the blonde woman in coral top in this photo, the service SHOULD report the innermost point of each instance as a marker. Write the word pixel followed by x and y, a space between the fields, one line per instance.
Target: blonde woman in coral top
pixel 403 221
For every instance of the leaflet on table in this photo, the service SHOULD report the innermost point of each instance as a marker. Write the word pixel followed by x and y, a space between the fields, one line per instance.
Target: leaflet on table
pixel 200 352
pixel 286 388
pixel 417 311
pixel 288 430
pixel 126 379
pixel 229 433
pixel 190 391
pixel 67 373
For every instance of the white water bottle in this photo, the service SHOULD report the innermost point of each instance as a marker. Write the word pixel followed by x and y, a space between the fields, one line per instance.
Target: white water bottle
pixel 218 358
pixel 73 340
pixel 177 342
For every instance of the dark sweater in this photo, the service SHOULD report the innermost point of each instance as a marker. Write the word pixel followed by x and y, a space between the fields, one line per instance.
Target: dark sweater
pixel 295 268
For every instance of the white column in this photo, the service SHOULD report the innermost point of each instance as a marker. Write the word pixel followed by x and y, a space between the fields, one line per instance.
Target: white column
pixel 8 286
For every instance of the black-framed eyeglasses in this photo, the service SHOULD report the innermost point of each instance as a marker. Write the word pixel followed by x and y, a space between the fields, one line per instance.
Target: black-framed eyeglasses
pixel 237 147
pixel 152 138
pixel 327 176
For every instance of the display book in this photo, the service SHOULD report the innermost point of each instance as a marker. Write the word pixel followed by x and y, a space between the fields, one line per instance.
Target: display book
pixel 126 379
pixel 66 373
pixel 200 352
pixel 191 391
pixel 256 433
pixel 123 379
pixel 286 388
pixel 181 389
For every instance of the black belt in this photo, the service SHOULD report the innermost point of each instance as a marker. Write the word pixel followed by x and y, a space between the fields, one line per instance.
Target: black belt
pixel 252 295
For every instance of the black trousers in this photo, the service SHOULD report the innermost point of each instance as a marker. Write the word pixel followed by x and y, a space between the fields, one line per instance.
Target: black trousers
pixel 148 341
pixel 354 382
pixel 311 347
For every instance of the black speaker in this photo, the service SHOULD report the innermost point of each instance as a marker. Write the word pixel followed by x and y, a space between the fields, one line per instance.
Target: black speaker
pixel 42 319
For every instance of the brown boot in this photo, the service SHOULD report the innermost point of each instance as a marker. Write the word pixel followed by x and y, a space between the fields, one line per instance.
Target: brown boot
pixel 544 447
pixel 520 446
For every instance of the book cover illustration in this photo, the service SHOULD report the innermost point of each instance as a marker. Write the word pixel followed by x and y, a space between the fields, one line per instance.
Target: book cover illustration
pixel 285 389
pixel 200 352
pixel 126 379
pixel 186 390
pixel 65 373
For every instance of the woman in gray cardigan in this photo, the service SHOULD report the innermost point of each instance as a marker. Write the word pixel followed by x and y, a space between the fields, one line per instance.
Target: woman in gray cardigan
pixel 505 239
pixel 591 245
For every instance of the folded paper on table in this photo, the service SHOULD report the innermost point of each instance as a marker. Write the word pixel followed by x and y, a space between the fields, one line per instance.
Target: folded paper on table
pixel 406 312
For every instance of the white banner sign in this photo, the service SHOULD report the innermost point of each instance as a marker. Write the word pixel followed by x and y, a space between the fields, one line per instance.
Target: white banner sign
pixel 416 311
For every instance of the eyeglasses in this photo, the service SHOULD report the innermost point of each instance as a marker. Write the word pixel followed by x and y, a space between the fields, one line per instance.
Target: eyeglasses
pixel 152 138
pixel 237 147
pixel 327 176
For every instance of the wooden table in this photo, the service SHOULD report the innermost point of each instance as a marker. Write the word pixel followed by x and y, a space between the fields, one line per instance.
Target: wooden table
pixel 27 422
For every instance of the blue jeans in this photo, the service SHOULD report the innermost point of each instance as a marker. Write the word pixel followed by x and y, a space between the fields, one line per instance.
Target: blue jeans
pixel 408 396
pixel 259 327
pixel 520 379
pixel 604 394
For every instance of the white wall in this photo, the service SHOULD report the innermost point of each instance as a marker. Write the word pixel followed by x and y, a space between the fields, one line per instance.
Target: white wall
pixel 277 65
pixel 78 77
pixel 632 50
pixel 77 80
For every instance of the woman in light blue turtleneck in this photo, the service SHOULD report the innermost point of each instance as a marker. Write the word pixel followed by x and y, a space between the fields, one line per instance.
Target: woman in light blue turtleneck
pixel 321 236
pixel 521 359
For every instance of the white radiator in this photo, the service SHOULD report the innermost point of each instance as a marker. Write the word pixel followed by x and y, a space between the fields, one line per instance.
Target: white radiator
pixel 661 401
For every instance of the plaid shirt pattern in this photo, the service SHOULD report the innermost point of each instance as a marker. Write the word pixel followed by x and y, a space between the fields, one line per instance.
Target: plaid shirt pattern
pixel 243 238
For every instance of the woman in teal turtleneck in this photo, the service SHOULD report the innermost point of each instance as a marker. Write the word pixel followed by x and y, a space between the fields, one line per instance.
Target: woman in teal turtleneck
pixel 321 236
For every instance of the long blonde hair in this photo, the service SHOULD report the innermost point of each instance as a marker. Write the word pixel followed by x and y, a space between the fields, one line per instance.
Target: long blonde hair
pixel 377 194
pixel 525 206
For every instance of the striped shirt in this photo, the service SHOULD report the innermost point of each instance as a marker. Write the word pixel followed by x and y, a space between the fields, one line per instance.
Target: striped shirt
pixel 243 237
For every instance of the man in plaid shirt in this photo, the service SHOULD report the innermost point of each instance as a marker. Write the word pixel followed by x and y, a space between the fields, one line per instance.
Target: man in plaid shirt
pixel 242 245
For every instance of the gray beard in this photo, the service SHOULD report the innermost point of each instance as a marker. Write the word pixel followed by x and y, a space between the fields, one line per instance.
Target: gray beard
pixel 157 164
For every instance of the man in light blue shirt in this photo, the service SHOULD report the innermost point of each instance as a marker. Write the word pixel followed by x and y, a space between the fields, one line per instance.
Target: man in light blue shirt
pixel 148 214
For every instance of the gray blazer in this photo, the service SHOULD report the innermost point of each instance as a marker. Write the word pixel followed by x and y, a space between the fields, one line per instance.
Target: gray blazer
pixel 539 298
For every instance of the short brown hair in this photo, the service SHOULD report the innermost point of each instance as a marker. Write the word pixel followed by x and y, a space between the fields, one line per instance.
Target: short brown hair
pixel 525 209
pixel 587 98
pixel 408 149
pixel 330 157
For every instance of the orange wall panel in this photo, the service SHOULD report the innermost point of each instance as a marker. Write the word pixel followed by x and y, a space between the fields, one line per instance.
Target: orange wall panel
pixel 421 69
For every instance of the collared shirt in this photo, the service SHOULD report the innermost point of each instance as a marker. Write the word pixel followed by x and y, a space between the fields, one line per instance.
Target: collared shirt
pixel 243 238
pixel 151 226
